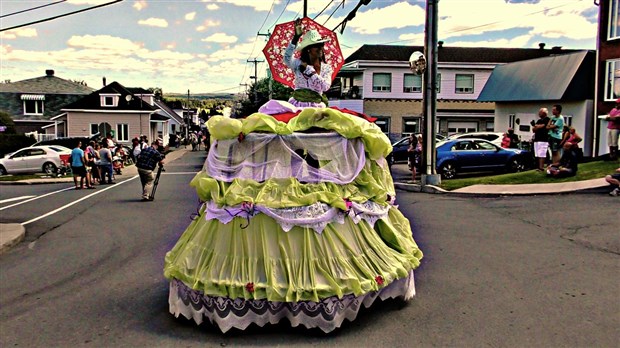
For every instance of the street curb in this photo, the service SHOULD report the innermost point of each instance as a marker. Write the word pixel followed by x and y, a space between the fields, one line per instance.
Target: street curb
pixel 10 235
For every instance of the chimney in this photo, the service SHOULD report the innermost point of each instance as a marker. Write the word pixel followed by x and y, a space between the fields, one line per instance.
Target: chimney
pixel 556 48
pixel 104 84
pixel 49 72
pixel 541 45
pixel 440 44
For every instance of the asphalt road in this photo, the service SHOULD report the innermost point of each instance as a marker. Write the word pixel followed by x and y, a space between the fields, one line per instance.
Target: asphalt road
pixel 536 271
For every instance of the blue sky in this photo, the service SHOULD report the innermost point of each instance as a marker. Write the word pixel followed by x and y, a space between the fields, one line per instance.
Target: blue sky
pixel 204 45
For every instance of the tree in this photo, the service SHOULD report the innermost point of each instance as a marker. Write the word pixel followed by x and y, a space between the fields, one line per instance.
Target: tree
pixel 258 94
pixel 157 92
pixel 7 121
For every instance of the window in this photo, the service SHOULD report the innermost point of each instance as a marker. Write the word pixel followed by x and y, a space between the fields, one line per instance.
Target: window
pixel 109 99
pixel 122 131
pixel 614 19
pixel 94 128
pixel 412 83
pixel 511 120
pixel 384 123
pixel 381 82
pixel 568 120
pixel 438 84
pixel 411 125
pixel 464 83
pixel 480 145
pixel 33 104
pixel 33 107
pixel 612 83
pixel 490 126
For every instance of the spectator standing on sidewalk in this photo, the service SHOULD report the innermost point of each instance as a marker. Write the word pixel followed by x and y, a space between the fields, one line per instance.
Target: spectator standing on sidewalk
pixel 106 163
pixel 555 127
pixel 136 147
pixel 614 181
pixel 510 139
pixel 613 130
pixel 541 137
pixel 78 165
pixel 149 158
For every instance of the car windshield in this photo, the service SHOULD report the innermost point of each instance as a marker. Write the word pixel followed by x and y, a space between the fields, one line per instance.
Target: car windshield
pixel 59 148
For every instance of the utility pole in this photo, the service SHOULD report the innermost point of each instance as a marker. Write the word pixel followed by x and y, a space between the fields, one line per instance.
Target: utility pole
pixel 255 77
pixel 187 118
pixel 268 70
pixel 305 8
pixel 429 176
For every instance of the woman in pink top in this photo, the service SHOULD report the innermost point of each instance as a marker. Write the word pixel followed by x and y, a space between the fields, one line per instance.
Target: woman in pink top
pixel 613 130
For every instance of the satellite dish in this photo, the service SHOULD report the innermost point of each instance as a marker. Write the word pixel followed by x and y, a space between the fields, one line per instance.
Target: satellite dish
pixel 128 98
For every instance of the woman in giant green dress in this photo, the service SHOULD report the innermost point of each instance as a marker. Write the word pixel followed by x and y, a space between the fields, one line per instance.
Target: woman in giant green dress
pixel 298 222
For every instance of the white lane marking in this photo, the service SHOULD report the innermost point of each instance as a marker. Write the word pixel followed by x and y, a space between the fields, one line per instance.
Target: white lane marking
pixel 180 173
pixel 76 201
pixel 36 197
pixel 15 199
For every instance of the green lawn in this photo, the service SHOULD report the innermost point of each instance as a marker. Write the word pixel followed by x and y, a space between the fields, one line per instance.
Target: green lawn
pixel 590 170
pixel 19 177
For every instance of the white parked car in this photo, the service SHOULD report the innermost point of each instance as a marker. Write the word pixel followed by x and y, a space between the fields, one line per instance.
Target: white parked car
pixel 35 159
pixel 493 137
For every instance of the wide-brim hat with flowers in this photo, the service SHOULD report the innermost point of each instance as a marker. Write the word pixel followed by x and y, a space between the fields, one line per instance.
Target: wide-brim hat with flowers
pixel 312 37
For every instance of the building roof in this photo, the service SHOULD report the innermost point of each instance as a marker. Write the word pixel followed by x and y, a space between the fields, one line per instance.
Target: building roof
pixel 563 77
pixel 447 54
pixel 166 110
pixel 93 100
pixel 48 84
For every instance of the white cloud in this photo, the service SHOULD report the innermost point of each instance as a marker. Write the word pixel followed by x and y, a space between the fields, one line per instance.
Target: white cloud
pixel 220 38
pixel 190 16
pixel 208 23
pixel 140 5
pixel 19 32
pixel 519 41
pixel 154 22
pixel 212 7
pixel 373 21
pixel 257 5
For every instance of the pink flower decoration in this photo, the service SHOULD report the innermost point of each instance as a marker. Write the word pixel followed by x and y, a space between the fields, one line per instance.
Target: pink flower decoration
pixel 249 287
pixel 379 280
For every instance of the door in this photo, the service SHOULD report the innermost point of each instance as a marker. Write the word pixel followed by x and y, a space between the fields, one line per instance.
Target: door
pixel 462 127
pixel 16 163
pixel 34 160
pixel 489 156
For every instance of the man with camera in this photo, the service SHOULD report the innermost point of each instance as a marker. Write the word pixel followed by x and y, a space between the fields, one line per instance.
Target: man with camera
pixel 541 137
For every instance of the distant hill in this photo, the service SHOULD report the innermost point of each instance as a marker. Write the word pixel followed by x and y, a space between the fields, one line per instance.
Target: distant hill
pixel 225 96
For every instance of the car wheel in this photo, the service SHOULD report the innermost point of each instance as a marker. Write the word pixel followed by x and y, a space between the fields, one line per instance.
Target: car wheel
pixel 49 168
pixel 448 170
pixel 3 170
pixel 516 165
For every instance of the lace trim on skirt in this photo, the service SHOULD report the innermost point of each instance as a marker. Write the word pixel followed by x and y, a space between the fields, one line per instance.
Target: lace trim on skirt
pixel 315 216
pixel 327 314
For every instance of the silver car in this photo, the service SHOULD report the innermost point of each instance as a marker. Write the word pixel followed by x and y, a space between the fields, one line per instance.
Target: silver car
pixel 35 159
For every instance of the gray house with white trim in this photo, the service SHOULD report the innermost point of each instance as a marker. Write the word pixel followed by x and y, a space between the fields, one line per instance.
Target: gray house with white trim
pixel 520 89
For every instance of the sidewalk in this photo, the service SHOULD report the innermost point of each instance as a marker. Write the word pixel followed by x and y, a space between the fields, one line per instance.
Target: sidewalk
pixel 12 234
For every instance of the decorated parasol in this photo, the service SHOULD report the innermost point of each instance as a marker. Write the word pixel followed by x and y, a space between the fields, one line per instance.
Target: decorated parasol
pixel 281 38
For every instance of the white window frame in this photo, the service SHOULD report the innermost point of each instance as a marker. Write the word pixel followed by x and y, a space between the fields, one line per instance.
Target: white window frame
pixel 113 99
pixel 39 107
pixel 414 87
pixel 382 88
pixel 568 120
pixel 122 132
pixel 464 90
pixel 613 31
pixel 612 78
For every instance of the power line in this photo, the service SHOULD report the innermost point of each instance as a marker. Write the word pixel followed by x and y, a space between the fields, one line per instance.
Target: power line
pixel 277 19
pixel 255 39
pixel 324 8
pixel 334 11
pixel 32 9
pixel 59 16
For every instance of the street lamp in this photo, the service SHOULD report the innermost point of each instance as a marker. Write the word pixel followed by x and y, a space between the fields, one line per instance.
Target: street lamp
pixel 427 64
